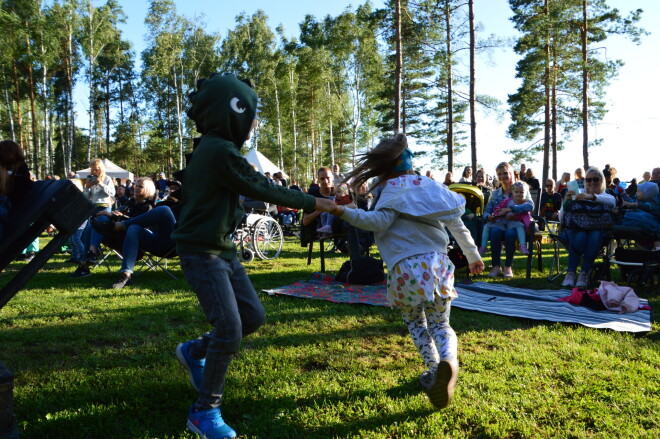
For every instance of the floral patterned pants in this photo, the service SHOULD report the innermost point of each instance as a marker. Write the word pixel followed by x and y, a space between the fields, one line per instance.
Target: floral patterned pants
pixel 428 324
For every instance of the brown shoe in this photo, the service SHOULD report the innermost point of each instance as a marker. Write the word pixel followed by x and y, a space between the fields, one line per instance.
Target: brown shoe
pixel 442 390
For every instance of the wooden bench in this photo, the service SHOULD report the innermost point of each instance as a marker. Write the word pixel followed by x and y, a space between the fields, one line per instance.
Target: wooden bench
pixel 56 202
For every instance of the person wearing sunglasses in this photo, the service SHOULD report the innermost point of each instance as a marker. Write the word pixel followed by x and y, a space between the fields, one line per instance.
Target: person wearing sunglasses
pixel 585 242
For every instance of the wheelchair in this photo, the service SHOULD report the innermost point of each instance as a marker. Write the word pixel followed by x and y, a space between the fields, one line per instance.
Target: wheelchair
pixel 258 234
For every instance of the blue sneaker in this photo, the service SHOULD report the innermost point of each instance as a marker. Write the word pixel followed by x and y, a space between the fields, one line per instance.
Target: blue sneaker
pixel 194 366
pixel 208 424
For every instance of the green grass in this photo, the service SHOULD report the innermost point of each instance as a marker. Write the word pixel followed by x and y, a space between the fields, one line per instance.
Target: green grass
pixel 93 362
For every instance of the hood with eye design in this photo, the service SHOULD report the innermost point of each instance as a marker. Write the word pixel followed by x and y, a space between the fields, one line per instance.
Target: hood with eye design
pixel 225 106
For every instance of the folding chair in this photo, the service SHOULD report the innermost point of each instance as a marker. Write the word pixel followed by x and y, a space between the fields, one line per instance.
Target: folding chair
pixel 155 261
pixel 111 245
pixel 535 234
pixel 559 243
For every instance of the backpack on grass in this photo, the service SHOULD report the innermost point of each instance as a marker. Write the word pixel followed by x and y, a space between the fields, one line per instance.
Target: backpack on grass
pixel 363 270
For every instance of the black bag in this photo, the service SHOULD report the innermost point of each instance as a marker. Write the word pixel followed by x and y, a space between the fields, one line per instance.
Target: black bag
pixel 587 215
pixel 457 257
pixel 363 270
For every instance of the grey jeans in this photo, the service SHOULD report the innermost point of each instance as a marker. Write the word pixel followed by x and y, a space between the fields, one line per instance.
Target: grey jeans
pixel 231 306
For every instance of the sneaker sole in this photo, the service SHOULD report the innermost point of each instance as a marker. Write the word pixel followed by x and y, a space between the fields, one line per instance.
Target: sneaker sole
pixel 182 360
pixel 193 429
pixel 443 389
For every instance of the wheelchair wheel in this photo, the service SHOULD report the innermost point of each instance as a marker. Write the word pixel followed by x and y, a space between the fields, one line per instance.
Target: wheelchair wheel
pixel 245 255
pixel 267 238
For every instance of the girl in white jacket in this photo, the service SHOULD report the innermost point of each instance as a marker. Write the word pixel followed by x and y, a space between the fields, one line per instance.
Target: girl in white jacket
pixel 408 222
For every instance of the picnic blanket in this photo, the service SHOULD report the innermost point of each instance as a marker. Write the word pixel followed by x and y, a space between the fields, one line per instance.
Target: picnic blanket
pixel 480 296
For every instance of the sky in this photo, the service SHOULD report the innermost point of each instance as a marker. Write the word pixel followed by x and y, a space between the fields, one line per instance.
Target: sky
pixel 630 142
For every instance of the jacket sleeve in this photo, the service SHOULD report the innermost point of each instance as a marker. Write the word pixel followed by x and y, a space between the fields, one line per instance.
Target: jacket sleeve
pixel 606 199
pixel 239 176
pixel 492 203
pixel 108 186
pixel 373 221
pixel 527 206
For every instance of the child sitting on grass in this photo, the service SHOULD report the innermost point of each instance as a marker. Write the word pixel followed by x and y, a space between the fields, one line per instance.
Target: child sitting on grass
pixel 409 222
pixel 509 220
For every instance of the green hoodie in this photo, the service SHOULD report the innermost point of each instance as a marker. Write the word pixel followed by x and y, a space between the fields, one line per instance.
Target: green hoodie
pixel 223 110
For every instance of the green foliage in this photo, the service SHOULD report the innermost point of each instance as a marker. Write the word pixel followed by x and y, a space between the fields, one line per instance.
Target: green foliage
pixel 552 59
pixel 327 94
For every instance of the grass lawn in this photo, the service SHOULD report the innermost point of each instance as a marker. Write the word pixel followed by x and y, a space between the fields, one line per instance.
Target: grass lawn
pixel 91 362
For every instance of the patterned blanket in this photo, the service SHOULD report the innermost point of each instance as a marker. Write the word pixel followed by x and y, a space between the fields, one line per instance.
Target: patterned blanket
pixel 480 296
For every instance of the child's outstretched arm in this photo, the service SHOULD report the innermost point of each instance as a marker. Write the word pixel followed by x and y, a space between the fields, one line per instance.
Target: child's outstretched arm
pixel 373 221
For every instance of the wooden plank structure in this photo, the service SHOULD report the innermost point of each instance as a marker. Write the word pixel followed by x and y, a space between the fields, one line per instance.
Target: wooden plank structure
pixel 56 202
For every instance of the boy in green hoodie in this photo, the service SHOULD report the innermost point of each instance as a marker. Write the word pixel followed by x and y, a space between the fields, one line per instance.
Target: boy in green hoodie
pixel 224 110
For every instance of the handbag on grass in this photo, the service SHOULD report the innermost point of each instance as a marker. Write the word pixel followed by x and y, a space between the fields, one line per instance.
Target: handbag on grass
pixel 587 215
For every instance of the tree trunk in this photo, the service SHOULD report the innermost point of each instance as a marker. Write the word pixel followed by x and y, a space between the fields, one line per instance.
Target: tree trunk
pixel 19 113
pixel 585 89
pixel 36 144
pixel 70 149
pixel 311 128
pixel 546 80
pixel 293 121
pixel 280 160
pixel 357 115
pixel 473 120
pixel 178 118
pixel 450 94
pixel 398 69
pixel 48 147
pixel 107 115
pixel 121 99
pixel 332 142
pixel 554 125
pixel 10 116
pixel 91 82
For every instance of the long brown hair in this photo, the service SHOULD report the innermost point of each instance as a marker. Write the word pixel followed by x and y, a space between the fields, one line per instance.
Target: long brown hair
pixel 379 162
pixel 11 156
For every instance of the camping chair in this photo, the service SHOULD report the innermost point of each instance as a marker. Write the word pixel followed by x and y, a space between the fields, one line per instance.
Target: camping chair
pixel 628 250
pixel 536 234
pixel 155 261
pixel 600 270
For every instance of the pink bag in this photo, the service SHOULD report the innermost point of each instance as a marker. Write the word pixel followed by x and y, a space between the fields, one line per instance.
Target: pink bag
pixel 618 298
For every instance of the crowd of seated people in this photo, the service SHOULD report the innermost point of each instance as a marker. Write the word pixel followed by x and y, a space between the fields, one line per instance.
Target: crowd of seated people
pixel 144 213
pixel 311 220
pixel 140 203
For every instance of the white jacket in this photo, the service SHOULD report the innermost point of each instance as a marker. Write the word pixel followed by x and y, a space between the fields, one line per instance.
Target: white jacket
pixel 409 221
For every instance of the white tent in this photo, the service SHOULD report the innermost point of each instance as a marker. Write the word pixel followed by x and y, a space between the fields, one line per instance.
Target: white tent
pixel 111 170
pixel 262 163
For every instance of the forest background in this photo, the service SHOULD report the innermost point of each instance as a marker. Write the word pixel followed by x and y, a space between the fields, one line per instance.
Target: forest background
pixel 327 80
